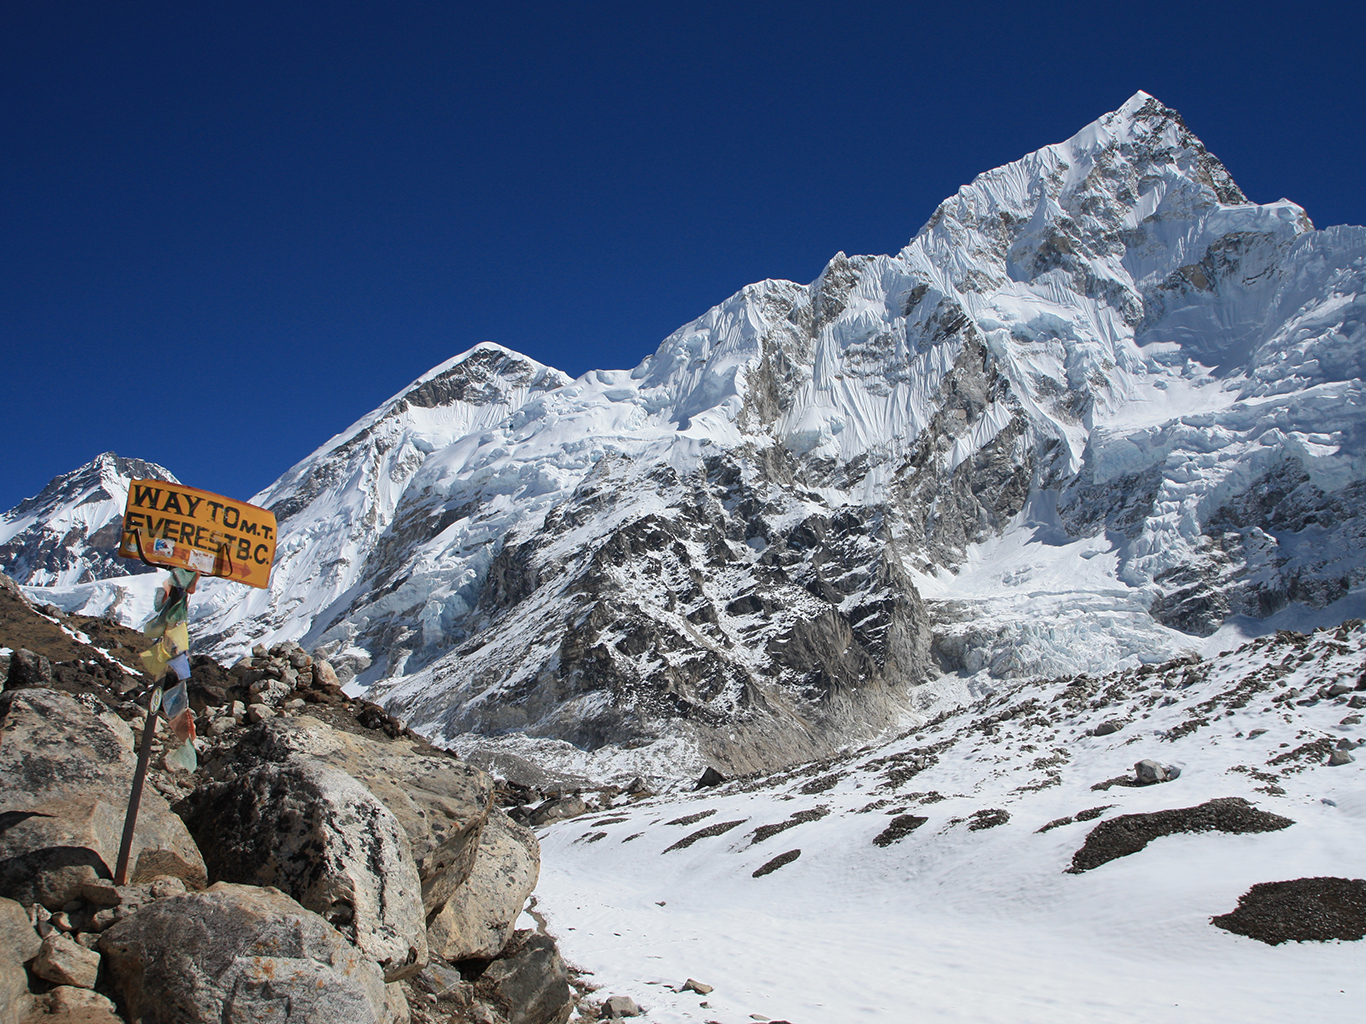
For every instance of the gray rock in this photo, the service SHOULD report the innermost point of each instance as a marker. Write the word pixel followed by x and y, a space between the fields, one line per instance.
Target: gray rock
pixel 18 940
pixel 439 979
pixel 555 810
pixel 317 833
pixel 1340 757
pixel 1149 772
pixel 479 917
pixel 54 849
pixel 1338 689
pixel 28 669
pixel 51 743
pixel 531 986
pixel 696 986
pixel 15 1001
pixel 239 953
pixel 441 802
pixel 67 1004
pixel 620 1006
pixel 68 773
pixel 1105 728
pixel 63 961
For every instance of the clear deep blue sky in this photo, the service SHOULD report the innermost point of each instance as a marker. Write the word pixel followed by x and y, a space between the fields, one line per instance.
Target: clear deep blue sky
pixel 230 230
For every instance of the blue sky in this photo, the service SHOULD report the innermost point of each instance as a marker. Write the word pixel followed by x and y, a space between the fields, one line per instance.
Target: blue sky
pixel 228 231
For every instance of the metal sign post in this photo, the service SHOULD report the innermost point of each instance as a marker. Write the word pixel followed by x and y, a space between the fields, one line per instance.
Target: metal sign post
pixel 139 777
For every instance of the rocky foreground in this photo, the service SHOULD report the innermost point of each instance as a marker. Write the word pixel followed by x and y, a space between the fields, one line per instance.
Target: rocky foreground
pixel 323 864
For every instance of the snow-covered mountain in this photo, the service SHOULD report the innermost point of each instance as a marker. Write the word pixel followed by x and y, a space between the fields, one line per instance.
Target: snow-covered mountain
pixel 69 532
pixel 1099 406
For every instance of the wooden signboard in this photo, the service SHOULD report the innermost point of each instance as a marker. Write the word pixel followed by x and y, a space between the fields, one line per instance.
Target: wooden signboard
pixel 181 527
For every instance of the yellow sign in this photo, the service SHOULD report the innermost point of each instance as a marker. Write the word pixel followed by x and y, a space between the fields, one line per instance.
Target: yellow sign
pixel 181 527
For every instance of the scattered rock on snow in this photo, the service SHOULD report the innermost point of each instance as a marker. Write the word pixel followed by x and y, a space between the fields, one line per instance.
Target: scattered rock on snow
pixel 620 1006
pixel 1129 833
pixel 900 826
pixel 1149 772
pixel 773 865
pixel 1303 910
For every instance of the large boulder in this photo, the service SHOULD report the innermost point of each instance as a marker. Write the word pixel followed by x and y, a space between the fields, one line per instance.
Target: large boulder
pixel 68 771
pixel 63 961
pixel 19 944
pixel 17 937
pixel 318 834
pixel 479 917
pixel 531 984
pixel 441 803
pixel 51 743
pixel 239 953
pixel 15 1001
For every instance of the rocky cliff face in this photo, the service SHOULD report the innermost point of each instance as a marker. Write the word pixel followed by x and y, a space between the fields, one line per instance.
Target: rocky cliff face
pixel 1099 402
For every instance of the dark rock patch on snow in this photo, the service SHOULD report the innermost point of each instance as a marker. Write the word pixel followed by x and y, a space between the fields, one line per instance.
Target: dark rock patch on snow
pixel 777 862
pixel 902 825
pixel 1302 910
pixel 705 833
pixel 1129 833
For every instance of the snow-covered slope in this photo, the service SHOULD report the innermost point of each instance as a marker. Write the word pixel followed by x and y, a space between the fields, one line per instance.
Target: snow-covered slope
pixel 930 878
pixel 1101 402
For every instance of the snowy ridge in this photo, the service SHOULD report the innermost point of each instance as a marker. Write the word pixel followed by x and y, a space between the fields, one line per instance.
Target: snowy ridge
pixel 69 532
pixel 935 866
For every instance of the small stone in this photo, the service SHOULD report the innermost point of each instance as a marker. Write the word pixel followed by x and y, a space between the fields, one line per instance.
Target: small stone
pixel 165 886
pixel 1357 702
pixel 68 999
pixel 104 918
pixel 1338 689
pixel 696 986
pixel 63 962
pixel 295 704
pixel 61 921
pixel 711 777
pixel 620 1006
pixel 1351 720
pixel 90 940
pixel 102 894
pixel 1149 772
pixel 258 713
pixel 1340 757
pixel 1346 744
pixel 1255 733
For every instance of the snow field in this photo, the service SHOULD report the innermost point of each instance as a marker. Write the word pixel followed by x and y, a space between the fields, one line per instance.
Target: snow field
pixel 951 923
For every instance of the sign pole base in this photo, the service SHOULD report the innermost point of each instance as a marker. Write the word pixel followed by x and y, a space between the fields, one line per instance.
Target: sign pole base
pixel 135 797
